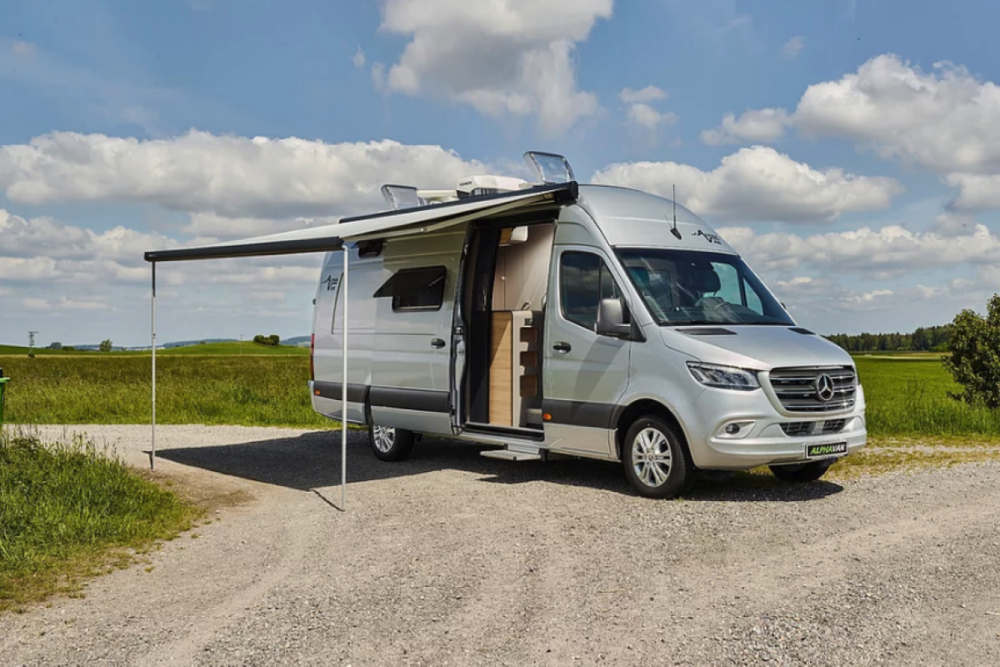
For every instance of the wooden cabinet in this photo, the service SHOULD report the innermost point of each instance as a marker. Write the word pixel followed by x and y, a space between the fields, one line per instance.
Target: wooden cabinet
pixel 515 366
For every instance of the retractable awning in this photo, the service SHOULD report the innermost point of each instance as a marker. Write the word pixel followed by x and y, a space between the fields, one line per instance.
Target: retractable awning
pixel 334 237
pixel 328 238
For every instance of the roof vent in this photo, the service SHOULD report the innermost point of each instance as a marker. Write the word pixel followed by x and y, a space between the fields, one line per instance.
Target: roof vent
pixel 402 196
pixel 549 167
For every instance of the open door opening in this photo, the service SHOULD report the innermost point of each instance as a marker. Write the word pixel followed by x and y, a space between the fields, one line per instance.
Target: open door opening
pixel 506 281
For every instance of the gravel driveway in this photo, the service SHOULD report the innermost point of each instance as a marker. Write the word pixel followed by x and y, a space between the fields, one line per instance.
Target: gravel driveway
pixel 454 559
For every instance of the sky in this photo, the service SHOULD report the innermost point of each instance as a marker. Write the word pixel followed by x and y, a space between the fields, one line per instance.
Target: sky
pixel 849 149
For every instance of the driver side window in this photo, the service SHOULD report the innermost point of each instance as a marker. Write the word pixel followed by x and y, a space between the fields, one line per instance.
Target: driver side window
pixel 735 290
pixel 584 280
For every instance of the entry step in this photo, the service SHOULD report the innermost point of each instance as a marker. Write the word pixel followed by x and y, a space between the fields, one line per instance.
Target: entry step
pixel 521 454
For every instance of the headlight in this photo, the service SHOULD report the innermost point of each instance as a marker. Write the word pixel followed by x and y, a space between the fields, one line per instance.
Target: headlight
pixel 724 377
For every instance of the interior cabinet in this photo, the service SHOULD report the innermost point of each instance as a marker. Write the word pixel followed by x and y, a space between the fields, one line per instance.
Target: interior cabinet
pixel 515 367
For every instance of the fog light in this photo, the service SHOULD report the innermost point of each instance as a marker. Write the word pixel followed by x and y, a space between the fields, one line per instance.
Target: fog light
pixel 736 429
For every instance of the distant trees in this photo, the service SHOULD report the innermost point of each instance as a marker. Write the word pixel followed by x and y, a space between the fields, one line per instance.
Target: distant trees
pixel 271 341
pixel 975 355
pixel 924 339
pixel 55 346
pixel 105 345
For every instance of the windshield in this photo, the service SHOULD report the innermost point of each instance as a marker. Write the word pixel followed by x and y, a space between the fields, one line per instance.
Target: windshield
pixel 690 287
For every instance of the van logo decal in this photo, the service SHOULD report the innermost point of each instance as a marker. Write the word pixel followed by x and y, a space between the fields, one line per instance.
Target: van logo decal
pixel 711 238
pixel 331 283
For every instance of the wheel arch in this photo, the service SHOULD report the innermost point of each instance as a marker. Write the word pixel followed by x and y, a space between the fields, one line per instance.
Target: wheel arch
pixel 627 415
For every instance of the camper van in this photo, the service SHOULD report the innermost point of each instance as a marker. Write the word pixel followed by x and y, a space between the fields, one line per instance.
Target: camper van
pixel 556 318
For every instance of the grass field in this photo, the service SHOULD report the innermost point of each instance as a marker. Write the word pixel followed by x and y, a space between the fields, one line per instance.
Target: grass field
pixel 68 512
pixel 115 389
pixel 906 395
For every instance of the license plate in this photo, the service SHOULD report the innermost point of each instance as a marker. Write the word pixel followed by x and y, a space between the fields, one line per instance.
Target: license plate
pixel 826 449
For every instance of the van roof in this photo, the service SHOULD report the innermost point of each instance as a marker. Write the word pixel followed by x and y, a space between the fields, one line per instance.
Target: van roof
pixel 630 217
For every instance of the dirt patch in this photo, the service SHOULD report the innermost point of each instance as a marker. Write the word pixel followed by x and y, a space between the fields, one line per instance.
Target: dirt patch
pixel 453 559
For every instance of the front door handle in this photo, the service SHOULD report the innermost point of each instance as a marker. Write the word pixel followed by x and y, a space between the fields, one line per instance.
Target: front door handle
pixel 437 343
pixel 562 347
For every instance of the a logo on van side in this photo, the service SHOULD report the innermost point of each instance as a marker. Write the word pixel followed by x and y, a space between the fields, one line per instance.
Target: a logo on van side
pixel 711 238
pixel 331 283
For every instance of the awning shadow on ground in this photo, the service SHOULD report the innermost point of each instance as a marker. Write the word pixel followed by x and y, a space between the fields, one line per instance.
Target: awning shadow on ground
pixel 312 461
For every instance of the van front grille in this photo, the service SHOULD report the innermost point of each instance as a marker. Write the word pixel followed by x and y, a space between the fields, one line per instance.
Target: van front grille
pixel 834 425
pixel 815 389
pixel 797 428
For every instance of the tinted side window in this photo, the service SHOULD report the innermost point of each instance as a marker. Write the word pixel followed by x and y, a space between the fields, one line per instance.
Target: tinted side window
pixel 583 281
pixel 415 289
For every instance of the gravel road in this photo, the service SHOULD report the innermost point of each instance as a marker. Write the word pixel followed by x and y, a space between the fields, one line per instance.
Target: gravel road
pixel 454 559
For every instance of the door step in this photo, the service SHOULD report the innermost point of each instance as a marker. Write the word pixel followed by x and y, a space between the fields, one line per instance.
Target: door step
pixel 514 453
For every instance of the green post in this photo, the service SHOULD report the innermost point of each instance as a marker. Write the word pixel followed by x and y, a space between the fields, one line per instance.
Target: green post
pixel 3 389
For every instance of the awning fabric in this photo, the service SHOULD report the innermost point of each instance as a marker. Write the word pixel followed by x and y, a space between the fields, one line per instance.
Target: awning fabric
pixel 379 225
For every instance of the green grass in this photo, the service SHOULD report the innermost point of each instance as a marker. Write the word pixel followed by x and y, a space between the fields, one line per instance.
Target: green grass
pixel 233 348
pixel 227 348
pixel 908 396
pixel 115 389
pixel 70 511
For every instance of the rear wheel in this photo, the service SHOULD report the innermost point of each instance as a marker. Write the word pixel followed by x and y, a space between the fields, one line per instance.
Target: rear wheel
pixel 389 443
pixel 802 472
pixel 656 460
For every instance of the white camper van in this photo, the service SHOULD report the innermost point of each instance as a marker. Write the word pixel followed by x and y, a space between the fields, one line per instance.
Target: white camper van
pixel 581 320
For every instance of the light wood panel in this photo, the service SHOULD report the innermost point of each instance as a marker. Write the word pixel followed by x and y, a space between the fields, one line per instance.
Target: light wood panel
pixel 501 369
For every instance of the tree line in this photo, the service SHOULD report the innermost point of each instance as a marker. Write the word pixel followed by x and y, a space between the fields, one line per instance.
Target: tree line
pixel 924 339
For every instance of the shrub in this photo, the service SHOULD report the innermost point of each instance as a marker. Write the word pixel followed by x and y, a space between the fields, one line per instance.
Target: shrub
pixel 975 355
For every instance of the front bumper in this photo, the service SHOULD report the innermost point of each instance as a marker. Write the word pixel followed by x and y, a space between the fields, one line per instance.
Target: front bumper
pixel 764 442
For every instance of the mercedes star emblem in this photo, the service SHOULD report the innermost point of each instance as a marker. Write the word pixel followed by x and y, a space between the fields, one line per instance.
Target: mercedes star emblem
pixel 824 388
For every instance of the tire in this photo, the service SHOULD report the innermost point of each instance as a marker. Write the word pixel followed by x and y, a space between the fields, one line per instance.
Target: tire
pixel 390 444
pixel 802 472
pixel 656 460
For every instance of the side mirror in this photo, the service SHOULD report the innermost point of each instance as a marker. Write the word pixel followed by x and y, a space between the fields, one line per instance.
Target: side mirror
pixel 611 319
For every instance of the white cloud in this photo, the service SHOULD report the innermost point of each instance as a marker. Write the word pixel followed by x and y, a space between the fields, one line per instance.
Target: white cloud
pixel 503 58
pixel 359 58
pixel 793 47
pixel 809 294
pixel 649 118
pixel 755 125
pixel 882 253
pixel 757 183
pixel 642 96
pixel 226 175
pixel 944 120
pixel 976 192
pixel 953 224
pixel 33 303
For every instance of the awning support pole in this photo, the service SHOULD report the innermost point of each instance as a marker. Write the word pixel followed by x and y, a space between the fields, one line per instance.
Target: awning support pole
pixel 343 390
pixel 152 335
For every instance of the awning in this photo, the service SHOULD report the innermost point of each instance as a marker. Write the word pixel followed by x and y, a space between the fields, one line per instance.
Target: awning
pixel 379 225
pixel 332 237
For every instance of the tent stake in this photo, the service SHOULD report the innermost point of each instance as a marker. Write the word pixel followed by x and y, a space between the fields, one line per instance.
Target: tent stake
pixel 152 335
pixel 343 392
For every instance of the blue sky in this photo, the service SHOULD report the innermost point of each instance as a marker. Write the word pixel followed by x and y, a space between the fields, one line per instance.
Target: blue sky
pixel 850 149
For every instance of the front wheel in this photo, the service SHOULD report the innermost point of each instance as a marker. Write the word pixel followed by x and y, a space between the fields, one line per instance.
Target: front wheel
pixel 655 459
pixel 389 443
pixel 802 472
